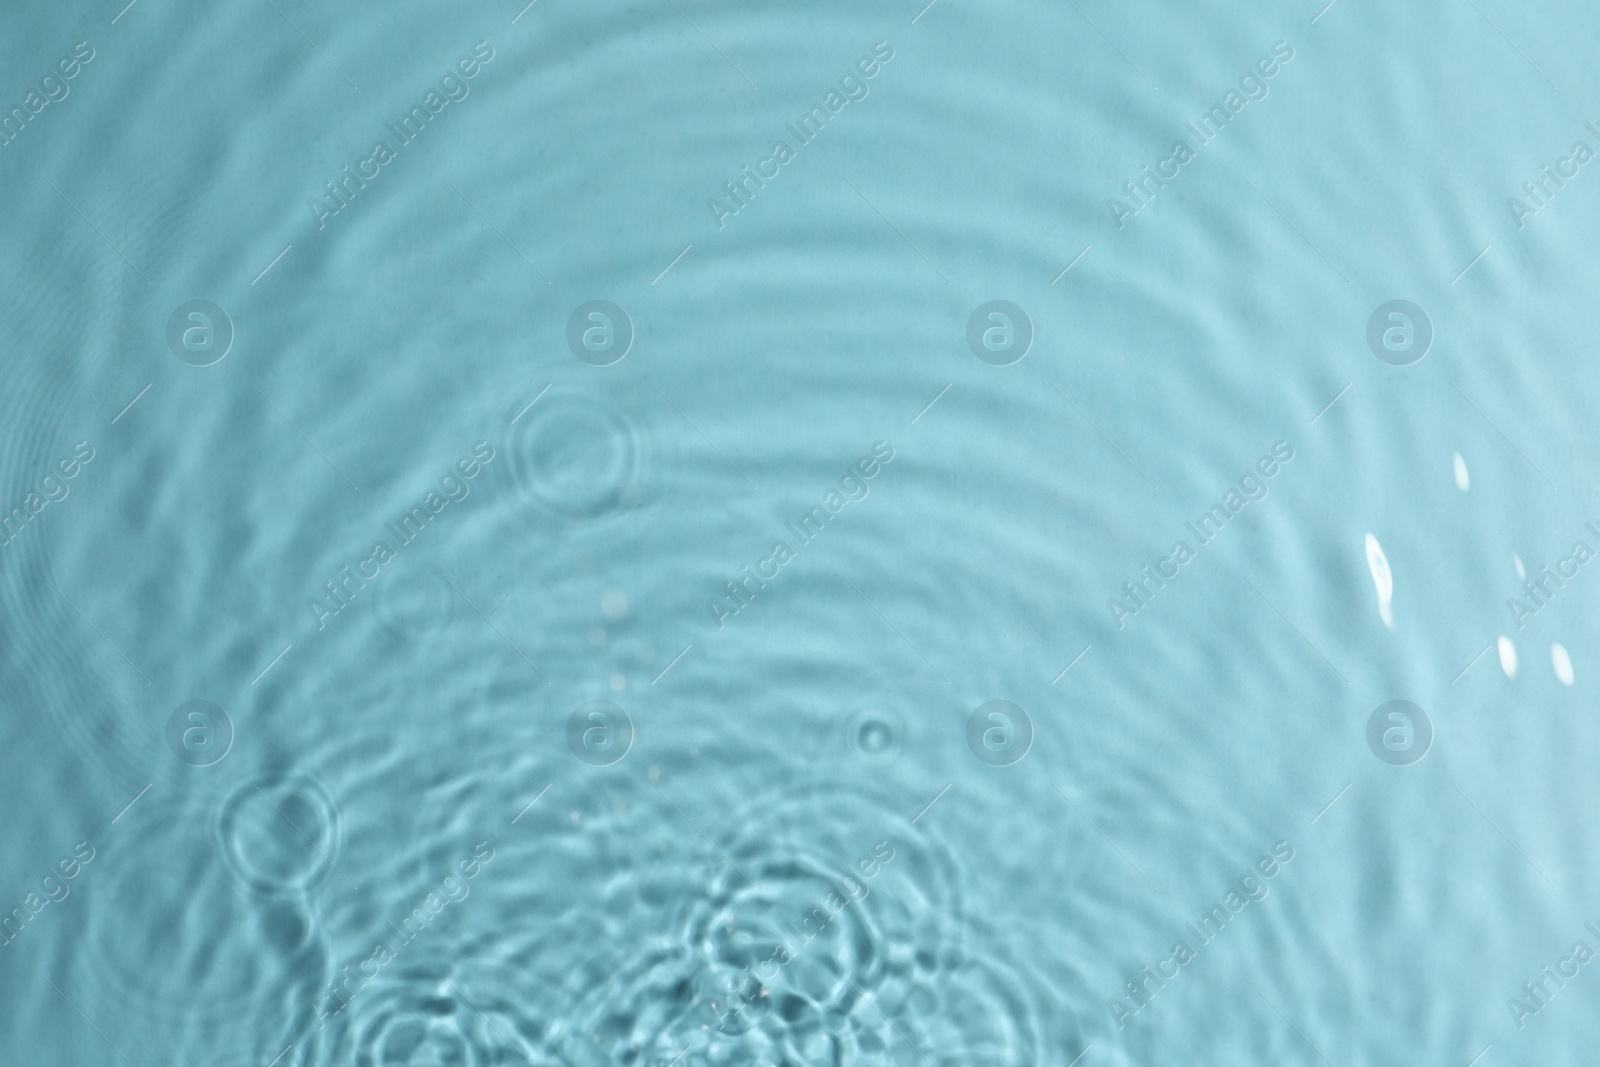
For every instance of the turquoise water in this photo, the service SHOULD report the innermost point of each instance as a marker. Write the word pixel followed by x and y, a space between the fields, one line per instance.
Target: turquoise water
pixel 688 534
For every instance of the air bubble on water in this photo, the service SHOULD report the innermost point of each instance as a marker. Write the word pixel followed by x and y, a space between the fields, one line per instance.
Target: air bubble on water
pixel 1382 579
pixel 1522 572
pixel 1562 662
pixel 1508 656
pixel 1463 482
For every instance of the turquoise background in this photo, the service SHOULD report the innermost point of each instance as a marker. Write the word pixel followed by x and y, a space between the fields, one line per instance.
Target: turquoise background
pixel 724 810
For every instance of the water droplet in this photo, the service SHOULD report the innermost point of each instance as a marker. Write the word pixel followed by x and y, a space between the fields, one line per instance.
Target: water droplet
pixel 1508 657
pixel 876 734
pixel 874 737
pixel 1382 579
pixel 1463 482
pixel 1562 662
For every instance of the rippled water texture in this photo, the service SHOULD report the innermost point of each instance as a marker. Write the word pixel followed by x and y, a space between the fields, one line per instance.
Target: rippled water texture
pixel 694 534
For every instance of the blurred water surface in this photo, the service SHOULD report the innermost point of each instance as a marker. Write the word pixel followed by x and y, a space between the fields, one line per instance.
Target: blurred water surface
pixel 714 535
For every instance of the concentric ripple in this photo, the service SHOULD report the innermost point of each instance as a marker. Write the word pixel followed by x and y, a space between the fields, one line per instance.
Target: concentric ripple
pixel 430 1013
pixel 279 835
pixel 179 944
pixel 578 456
pixel 416 603
pixel 980 1011
pixel 52 661
pixel 797 926
pixel 763 947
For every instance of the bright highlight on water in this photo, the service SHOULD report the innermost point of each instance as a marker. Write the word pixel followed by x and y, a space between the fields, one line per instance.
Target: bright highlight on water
pixel 689 534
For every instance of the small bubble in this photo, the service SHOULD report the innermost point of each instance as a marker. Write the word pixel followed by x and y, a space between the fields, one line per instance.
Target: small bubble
pixel 1562 662
pixel 614 604
pixel 619 684
pixel 1463 482
pixel 876 734
pixel 875 737
pixel 1508 657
